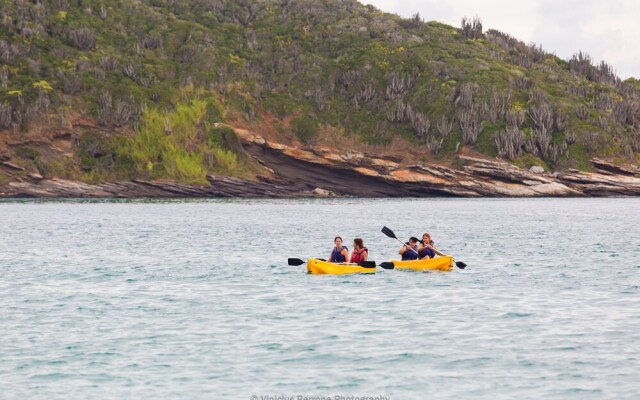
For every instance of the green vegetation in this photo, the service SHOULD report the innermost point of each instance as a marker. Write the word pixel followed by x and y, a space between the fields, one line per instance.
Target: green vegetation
pixel 27 153
pixel 305 129
pixel 169 144
pixel 158 75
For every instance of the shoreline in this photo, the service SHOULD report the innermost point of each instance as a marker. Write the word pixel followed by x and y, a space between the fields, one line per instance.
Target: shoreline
pixel 317 172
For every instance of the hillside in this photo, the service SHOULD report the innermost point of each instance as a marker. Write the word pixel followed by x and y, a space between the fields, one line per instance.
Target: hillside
pixel 110 90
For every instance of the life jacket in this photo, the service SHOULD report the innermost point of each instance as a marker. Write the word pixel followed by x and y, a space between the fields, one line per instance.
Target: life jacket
pixel 427 252
pixel 356 256
pixel 336 255
pixel 410 255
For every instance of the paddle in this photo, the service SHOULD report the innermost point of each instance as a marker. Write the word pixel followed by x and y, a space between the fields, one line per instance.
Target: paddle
pixel 392 235
pixel 364 264
pixel 295 261
pixel 387 265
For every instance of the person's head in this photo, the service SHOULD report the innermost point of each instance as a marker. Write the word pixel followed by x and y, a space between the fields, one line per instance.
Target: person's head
pixel 413 241
pixel 338 241
pixel 358 243
pixel 426 238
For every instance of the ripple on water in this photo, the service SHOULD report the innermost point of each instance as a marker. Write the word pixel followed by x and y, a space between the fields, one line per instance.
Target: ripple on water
pixel 149 299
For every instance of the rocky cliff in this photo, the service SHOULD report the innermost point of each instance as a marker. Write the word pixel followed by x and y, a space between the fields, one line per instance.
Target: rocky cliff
pixel 323 172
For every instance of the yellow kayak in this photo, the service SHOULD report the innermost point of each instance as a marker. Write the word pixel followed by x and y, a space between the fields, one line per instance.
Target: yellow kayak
pixel 439 263
pixel 317 267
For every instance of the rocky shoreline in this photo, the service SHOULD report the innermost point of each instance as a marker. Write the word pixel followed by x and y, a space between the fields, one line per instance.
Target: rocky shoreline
pixel 292 172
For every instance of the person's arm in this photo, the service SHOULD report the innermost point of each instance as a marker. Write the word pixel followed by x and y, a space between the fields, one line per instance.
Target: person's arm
pixel 435 250
pixel 330 256
pixel 345 253
pixel 365 255
pixel 402 249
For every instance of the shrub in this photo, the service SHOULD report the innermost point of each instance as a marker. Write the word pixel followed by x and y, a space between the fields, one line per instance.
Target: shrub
pixel 224 137
pixel 305 129
pixel 185 166
pixel 225 159
pixel 27 153
pixel 214 110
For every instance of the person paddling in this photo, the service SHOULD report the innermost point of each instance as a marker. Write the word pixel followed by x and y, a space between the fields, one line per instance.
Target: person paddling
pixel 410 250
pixel 340 253
pixel 427 247
pixel 360 253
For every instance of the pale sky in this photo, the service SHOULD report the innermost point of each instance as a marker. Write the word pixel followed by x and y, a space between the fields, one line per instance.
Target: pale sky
pixel 607 30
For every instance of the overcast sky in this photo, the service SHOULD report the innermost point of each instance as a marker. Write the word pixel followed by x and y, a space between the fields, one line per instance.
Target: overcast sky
pixel 608 30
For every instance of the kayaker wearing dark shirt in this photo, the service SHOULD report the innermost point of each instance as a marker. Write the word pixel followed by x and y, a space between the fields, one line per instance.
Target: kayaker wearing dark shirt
pixel 340 253
pixel 410 250
pixel 360 253
pixel 427 247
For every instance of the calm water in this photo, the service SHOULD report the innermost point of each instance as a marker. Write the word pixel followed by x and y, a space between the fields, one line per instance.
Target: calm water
pixel 195 300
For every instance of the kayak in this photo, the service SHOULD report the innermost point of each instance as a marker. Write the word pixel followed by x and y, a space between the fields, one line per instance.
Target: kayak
pixel 318 267
pixel 439 263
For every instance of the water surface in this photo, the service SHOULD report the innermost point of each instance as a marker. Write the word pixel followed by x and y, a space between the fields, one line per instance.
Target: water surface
pixel 193 299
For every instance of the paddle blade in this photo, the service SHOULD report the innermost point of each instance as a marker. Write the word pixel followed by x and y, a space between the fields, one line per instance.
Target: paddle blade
pixel 387 265
pixel 461 265
pixel 295 261
pixel 389 232
pixel 367 264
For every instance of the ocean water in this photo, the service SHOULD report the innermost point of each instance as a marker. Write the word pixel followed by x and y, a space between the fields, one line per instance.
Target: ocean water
pixel 195 300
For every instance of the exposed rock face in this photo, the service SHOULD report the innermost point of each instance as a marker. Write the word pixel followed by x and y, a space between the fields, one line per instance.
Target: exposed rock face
pixel 478 177
pixel 321 172
pixel 220 187
pixel 607 167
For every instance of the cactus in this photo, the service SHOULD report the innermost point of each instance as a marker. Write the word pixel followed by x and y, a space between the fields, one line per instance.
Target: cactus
pixel 470 125
pixel 398 84
pixel 105 104
pixel 559 121
pixel 542 116
pixel 83 39
pixel 570 137
pixel 71 83
pixel 421 124
pixel 591 141
pixel 603 122
pixel 109 63
pixel 582 112
pixel 634 139
pixel 472 28
pixel 367 93
pixel 444 126
pixel 434 145
pixel 494 107
pixel 463 96
pixel 4 78
pixel 515 117
pixel 509 142
pixel 5 115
